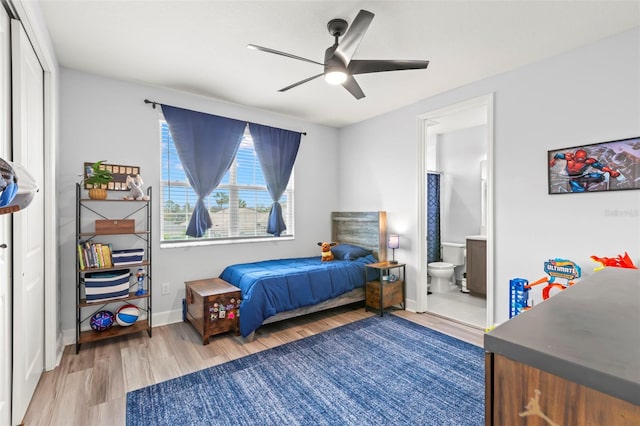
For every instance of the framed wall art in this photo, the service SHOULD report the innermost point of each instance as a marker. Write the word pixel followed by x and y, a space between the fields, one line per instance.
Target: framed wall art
pixel 119 172
pixel 604 166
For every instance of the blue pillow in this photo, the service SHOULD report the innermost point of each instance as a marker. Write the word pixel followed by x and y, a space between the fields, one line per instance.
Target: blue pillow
pixel 348 252
pixel 372 274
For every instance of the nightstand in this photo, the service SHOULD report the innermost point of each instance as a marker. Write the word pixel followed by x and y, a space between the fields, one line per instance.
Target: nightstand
pixel 381 294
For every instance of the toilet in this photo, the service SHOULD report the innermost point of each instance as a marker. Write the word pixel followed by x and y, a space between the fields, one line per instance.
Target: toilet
pixel 442 273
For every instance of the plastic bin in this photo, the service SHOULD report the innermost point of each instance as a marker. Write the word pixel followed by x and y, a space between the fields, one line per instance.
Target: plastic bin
pixel 101 286
pixel 127 257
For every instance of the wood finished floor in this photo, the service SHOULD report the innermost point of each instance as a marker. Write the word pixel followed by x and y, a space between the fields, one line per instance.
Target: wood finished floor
pixel 90 388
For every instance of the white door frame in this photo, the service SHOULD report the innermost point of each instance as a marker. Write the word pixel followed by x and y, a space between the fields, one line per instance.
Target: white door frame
pixel 6 322
pixel 28 225
pixel 30 15
pixel 424 122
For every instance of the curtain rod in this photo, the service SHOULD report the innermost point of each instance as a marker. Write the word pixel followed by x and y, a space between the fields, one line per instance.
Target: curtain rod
pixel 154 103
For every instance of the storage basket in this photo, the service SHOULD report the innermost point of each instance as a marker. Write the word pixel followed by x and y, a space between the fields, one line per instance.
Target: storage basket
pixel 127 257
pixel 101 286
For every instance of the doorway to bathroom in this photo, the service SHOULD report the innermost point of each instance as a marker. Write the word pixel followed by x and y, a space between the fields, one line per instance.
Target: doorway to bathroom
pixel 456 211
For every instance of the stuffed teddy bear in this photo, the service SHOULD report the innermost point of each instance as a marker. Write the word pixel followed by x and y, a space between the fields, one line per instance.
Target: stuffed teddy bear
pixel 326 251
pixel 134 183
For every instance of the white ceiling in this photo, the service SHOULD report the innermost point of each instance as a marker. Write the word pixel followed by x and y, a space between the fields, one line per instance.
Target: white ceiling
pixel 200 46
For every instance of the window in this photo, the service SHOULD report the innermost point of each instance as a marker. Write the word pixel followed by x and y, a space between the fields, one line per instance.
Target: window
pixel 239 207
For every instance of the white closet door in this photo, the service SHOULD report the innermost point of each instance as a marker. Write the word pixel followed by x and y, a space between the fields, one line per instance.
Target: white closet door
pixel 28 224
pixel 5 224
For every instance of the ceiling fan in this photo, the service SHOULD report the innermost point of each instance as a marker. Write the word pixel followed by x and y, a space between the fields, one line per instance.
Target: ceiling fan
pixel 339 67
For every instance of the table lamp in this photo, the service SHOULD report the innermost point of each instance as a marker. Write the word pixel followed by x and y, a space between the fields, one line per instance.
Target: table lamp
pixel 393 243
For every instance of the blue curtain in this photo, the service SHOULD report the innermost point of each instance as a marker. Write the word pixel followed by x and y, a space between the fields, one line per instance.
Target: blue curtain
pixel 277 150
pixel 433 217
pixel 207 145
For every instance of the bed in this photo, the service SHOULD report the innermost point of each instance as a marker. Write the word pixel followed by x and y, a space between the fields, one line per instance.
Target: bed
pixel 279 289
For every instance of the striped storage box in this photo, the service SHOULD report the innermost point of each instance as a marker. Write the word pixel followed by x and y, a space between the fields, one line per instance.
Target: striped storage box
pixel 127 257
pixel 101 286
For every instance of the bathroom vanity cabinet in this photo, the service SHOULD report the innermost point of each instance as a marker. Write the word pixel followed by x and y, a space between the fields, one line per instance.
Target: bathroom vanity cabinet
pixel 477 265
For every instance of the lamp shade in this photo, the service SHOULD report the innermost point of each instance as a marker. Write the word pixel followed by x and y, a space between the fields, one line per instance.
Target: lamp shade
pixel 394 241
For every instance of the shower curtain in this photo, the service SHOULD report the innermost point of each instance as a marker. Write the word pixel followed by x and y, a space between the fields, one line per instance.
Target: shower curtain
pixel 433 217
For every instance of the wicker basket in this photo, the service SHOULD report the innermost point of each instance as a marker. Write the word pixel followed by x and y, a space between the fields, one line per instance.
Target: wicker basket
pixel 98 194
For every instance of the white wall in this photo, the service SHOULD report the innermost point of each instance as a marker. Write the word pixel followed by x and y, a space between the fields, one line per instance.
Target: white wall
pixel 588 95
pixel 104 119
pixel 460 153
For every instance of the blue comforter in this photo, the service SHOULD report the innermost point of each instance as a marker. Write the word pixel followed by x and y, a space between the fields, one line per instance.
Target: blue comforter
pixel 273 286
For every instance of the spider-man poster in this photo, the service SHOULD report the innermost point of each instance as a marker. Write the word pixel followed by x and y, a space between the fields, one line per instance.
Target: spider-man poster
pixel 606 166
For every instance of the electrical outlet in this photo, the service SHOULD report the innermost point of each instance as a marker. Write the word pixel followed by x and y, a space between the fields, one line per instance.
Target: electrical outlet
pixel 165 289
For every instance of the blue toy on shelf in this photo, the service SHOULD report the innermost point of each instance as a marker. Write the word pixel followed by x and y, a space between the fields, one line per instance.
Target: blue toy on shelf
pixel 518 296
pixel 140 274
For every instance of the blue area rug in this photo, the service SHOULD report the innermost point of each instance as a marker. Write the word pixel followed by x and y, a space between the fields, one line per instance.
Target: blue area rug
pixel 376 371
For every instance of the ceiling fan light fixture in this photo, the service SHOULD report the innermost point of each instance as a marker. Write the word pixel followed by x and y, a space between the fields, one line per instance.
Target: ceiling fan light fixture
pixel 335 77
pixel 339 65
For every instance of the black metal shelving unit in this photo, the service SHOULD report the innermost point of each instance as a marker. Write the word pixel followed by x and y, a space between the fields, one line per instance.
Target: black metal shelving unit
pixel 86 209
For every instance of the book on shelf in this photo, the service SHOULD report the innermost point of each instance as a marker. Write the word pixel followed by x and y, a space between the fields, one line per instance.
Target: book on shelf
pixel 81 258
pixel 94 255
pixel 106 254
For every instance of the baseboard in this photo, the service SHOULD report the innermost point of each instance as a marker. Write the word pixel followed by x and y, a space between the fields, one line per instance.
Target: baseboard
pixel 410 305
pixel 167 317
pixel 59 348
pixel 159 319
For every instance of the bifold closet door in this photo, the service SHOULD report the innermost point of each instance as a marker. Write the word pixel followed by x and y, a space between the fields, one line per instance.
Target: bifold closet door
pixel 5 223
pixel 27 93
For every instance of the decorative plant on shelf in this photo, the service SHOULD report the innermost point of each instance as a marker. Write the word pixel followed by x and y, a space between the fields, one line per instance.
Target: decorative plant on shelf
pixel 98 178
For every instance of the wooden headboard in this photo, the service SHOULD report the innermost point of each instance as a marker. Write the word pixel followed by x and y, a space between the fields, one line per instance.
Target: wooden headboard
pixel 364 229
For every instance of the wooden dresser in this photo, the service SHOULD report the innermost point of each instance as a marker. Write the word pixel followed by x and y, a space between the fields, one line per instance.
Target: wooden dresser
pixel 574 359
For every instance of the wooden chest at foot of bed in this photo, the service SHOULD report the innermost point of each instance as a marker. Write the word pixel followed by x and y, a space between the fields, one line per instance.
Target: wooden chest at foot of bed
pixel 212 307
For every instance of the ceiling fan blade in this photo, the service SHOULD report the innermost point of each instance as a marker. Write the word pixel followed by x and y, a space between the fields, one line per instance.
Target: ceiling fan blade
pixel 353 87
pixel 354 35
pixel 277 52
pixel 284 89
pixel 367 66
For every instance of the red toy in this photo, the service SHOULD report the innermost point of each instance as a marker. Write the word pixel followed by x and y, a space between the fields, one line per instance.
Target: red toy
pixel 617 262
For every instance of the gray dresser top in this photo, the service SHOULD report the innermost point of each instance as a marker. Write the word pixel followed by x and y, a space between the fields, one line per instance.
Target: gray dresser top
pixel 588 334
